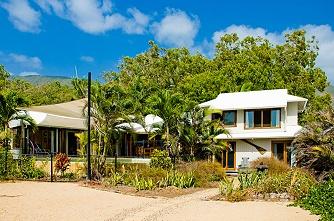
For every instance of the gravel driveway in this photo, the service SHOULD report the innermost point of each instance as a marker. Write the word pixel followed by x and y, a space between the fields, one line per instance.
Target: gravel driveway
pixel 69 201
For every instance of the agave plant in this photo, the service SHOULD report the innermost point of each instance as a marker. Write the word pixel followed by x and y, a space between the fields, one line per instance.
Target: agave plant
pixel 315 146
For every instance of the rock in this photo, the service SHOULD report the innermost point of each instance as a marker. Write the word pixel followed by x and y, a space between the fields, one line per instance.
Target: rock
pixel 273 195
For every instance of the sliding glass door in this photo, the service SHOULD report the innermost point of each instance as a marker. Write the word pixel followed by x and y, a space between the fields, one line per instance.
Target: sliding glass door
pixel 281 150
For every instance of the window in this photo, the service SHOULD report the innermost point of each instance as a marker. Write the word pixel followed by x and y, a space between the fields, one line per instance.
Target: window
pixel 215 116
pixel 230 118
pixel 266 118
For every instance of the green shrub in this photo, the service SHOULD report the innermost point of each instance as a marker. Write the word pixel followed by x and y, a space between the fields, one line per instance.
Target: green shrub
pixel 69 176
pixel 320 200
pixel 29 170
pixel 143 184
pixel 17 169
pixel 160 159
pixel 178 180
pixel 205 172
pixel 296 182
pixel 232 192
pixel 114 179
pixel 250 179
pixel 274 165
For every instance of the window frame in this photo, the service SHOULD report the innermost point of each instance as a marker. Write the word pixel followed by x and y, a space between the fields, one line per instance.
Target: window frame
pixel 235 118
pixel 262 127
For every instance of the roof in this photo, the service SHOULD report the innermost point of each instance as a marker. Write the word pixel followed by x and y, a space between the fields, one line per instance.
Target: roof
pixel 254 100
pixel 289 132
pixel 67 109
pixel 64 115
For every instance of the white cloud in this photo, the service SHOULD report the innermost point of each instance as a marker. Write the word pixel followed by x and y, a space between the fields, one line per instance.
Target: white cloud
pixel 323 33
pixel 25 61
pixel 95 16
pixel 28 73
pixel 244 31
pixel 176 29
pixel 22 15
pixel 88 59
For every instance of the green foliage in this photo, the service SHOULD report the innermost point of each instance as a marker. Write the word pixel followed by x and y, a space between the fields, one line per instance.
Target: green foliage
pixel 143 184
pixel 231 192
pixel 296 182
pixel 320 200
pixel 29 169
pixel 178 180
pixel 160 159
pixel 250 179
pixel 62 163
pixel 205 172
pixel 23 168
pixel 274 166
pixel 315 146
pixel 114 179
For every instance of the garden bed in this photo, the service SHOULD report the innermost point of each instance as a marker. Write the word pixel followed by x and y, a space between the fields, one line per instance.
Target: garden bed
pixel 168 192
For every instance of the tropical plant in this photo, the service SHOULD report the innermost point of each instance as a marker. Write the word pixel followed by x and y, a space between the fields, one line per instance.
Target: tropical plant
pixel 179 180
pixel 320 200
pixel 210 143
pixel 315 145
pixel 62 163
pixel 160 159
pixel 167 105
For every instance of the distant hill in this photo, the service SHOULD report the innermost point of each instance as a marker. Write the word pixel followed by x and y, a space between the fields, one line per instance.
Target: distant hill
pixel 330 89
pixel 42 79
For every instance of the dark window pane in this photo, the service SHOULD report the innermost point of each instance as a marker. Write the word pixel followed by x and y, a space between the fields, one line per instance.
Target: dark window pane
pixel 257 118
pixel 215 116
pixel 279 151
pixel 229 118
pixel 266 118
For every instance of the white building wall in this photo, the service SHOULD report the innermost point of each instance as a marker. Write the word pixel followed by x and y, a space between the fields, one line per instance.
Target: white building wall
pixel 244 149
pixel 292 115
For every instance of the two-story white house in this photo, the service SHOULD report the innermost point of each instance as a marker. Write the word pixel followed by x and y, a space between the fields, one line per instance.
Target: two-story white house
pixel 260 124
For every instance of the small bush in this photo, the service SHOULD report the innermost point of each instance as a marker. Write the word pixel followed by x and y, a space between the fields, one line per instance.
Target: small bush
pixel 143 184
pixel 250 179
pixel 114 179
pixel 231 192
pixel 296 182
pixel 320 200
pixel 29 170
pixel 274 165
pixel 205 172
pixel 23 168
pixel 62 163
pixel 160 159
pixel 178 180
pixel 69 176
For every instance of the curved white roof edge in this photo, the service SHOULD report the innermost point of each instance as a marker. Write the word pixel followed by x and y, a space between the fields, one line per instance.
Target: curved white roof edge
pixel 254 100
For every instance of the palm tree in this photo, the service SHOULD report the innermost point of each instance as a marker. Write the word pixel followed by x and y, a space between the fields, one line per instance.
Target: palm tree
pixel 315 146
pixel 166 105
pixel 9 102
pixel 210 130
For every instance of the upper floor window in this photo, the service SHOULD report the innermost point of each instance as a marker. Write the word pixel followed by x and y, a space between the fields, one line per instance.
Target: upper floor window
pixel 229 118
pixel 266 118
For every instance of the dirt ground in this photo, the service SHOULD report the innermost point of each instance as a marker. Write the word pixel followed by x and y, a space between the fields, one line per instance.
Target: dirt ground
pixel 70 201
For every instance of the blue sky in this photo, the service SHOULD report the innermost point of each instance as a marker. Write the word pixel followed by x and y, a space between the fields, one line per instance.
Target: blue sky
pixel 51 37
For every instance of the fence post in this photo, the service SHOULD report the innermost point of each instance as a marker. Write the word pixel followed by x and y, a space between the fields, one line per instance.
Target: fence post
pixel 51 167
